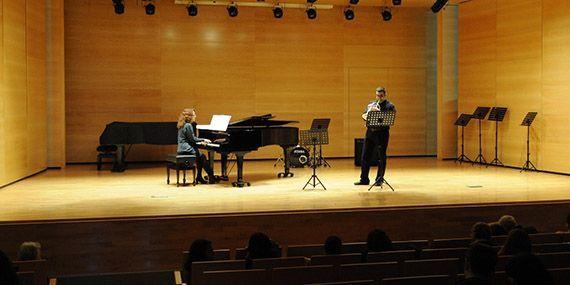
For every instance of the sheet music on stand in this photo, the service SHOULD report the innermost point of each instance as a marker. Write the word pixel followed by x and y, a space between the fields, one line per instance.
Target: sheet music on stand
pixel 313 137
pixel 463 120
pixel 497 114
pixel 217 123
pixel 480 113
pixel 376 119
pixel 529 118
pixel 320 124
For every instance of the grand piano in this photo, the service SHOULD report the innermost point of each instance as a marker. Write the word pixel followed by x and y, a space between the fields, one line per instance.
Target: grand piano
pixel 249 134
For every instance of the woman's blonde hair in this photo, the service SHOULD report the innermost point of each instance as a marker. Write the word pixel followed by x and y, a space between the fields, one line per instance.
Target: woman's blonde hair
pixel 185 117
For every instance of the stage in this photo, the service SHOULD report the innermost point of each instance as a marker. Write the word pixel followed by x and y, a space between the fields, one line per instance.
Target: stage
pixel 82 192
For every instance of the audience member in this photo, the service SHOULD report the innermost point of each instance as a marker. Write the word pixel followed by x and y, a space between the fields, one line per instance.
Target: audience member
pixel 259 246
pixel 497 229
pixel 30 250
pixel 200 250
pixel 377 241
pixel 527 269
pixel 517 242
pixel 567 230
pixel 481 232
pixel 7 273
pixel 508 223
pixel 333 245
pixel 480 262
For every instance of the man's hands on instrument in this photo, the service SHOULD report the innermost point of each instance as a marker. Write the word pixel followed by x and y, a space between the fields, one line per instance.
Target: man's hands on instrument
pixel 205 142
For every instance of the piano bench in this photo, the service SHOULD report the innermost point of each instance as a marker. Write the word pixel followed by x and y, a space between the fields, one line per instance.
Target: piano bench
pixel 106 154
pixel 178 163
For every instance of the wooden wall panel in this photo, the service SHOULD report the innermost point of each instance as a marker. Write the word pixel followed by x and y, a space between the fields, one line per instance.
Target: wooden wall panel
pixel 514 54
pixel 447 82
pixel 519 75
pixel 134 67
pixel 55 101
pixel 477 69
pixel 36 85
pixel 23 133
pixel 555 100
pixel 15 82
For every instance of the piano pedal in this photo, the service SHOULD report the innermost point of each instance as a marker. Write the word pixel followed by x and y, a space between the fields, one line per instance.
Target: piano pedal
pixel 285 175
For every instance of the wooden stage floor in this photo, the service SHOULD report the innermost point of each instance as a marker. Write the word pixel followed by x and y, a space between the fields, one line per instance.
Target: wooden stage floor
pixel 82 192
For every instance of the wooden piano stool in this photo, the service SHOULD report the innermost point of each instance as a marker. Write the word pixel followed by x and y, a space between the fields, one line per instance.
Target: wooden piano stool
pixel 178 163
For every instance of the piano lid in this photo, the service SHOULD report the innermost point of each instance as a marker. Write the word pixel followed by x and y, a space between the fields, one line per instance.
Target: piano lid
pixel 260 121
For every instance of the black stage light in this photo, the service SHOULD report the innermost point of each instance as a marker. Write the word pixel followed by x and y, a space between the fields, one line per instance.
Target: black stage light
pixel 192 9
pixel 311 13
pixel 311 1
pixel 353 2
pixel 438 5
pixel 119 7
pixel 149 9
pixel 386 14
pixel 396 2
pixel 349 13
pixel 277 12
pixel 232 10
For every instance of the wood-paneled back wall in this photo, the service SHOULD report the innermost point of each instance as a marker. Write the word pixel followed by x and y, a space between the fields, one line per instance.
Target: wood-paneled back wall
pixel 516 54
pixel 23 132
pixel 134 67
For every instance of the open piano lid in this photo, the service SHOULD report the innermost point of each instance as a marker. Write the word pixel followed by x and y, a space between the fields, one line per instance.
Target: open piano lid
pixel 261 121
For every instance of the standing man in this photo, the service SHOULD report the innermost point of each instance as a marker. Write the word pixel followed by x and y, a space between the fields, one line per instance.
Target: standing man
pixel 376 140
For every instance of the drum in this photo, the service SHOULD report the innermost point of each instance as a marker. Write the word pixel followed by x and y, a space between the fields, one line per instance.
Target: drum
pixel 299 157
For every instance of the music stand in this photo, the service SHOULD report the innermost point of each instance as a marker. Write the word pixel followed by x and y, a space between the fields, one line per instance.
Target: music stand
pixel 314 138
pixel 377 119
pixel 497 114
pixel 527 121
pixel 480 114
pixel 321 124
pixel 463 121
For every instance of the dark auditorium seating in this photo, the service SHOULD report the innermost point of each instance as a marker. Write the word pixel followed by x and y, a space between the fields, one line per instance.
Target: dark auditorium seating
pixel 219 254
pixel 268 263
pixel 410 244
pixel 356 282
pixel 305 250
pixel 242 252
pixel 237 277
pixel 451 243
pixel 38 267
pixel 303 275
pixel 198 268
pixel 546 238
pixel 446 266
pixel 375 271
pixel 336 259
pixel 28 278
pixel 560 275
pixel 419 280
pixel 555 260
pixel 387 256
pixel 443 253
pixel 551 247
pixel 139 278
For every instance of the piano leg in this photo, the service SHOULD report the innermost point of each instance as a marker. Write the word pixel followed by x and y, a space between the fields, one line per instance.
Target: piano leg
pixel 224 164
pixel 286 165
pixel 240 182
pixel 120 165
pixel 211 155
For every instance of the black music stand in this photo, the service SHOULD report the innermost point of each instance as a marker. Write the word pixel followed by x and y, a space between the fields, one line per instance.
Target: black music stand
pixel 378 119
pixel 497 114
pixel 323 125
pixel 527 121
pixel 463 121
pixel 480 114
pixel 314 138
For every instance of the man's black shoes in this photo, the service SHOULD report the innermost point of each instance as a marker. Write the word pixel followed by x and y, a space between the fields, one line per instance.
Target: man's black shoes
pixel 360 182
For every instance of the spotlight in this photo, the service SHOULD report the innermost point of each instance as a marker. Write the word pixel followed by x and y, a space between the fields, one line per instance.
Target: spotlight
pixel 311 1
pixel 353 2
pixel 349 13
pixel 232 10
pixel 119 7
pixel 149 8
pixel 386 14
pixel 438 5
pixel 311 13
pixel 192 9
pixel 277 12
pixel 396 2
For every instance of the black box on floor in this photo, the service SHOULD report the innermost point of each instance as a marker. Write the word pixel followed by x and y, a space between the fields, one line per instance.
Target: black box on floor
pixel 358 153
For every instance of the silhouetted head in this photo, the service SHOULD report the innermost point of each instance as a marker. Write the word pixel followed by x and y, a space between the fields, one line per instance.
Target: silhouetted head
pixel 378 240
pixel 333 245
pixel 259 246
pixel 481 231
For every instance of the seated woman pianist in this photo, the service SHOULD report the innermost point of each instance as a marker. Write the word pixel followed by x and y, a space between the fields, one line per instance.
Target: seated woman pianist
pixel 187 145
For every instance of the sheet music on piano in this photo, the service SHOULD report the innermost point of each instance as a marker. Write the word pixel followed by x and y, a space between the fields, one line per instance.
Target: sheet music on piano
pixel 217 123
